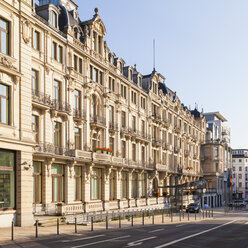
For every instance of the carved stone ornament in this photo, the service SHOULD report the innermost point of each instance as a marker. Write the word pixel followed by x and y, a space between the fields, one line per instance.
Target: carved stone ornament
pixel 7 63
pixel 26 31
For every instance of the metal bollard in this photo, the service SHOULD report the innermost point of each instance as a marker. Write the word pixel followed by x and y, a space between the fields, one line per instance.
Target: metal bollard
pixel 106 222
pixel 132 220
pixel 36 228
pixel 57 226
pixel 119 221
pixel 12 230
pixel 163 217
pixel 171 216
pixel 153 218
pixel 180 219
pixel 183 215
pixel 209 215
pixel 143 219
pixel 212 213
pixel 195 215
pixel 92 228
pixel 75 224
pixel 203 214
pixel 188 215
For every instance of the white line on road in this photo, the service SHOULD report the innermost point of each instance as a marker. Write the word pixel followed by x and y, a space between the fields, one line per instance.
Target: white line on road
pixel 139 242
pixel 193 235
pixel 181 225
pixel 101 241
pixel 73 240
pixel 157 230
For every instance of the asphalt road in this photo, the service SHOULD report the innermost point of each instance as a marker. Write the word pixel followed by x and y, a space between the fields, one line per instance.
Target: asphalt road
pixel 230 231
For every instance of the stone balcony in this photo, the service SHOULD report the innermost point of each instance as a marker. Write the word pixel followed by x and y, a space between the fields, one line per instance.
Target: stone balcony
pixel 79 114
pixel 113 126
pixel 60 106
pixel 41 100
pixel 49 148
pixel 98 121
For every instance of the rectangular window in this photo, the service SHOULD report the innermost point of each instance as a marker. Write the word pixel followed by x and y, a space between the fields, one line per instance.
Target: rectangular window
pixel 111 143
pixel 57 134
pixel 95 75
pixel 37 182
pixel 4 104
pixel 4 37
pixel 80 65
pixel 134 152
pixel 143 154
pixel 101 77
pixel 133 97
pixel 35 127
pixel 111 114
pixel 54 50
pixel 60 54
pixel 111 84
pixel 123 119
pixel 143 185
pixel 91 72
pixel 75 63
pixel 77 100
pixel 36 41
pixel 96 184
pixel 57 172
pixel 35 82
pixel 56 91
pixel 78 183
pixel 123 148
pixel 134 180
pixel 77 138
pixel 94 41
pixel 112 183
pixel 124 91
pixel 143 127
pixel 124 184
pixel 7 180
pixel 143 102
pixel 134 123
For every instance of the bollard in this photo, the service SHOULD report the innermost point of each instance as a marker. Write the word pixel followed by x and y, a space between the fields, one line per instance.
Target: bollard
pixel 180 216
pixel 119 221
pixel 106 222
pixel 153 218
pixel 143 219
pixel 12 230
pixel 188 215
pixel 36 228
pixel 171 216
pixel 92 228
pixel 75 224
pixel 163 217
pixel 212 213
pixel 57 226
pixel 132 220
pixel 183 215
pixel 203 214
pixel 209 215
pixel 195 215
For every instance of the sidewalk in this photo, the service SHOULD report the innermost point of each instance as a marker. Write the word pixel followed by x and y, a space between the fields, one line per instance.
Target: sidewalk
pixel 27 234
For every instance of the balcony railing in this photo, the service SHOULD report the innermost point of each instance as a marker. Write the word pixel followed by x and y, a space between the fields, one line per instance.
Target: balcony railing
pixel 113 126
pixel 157 141
pixel 98 120
pixel 41 98
pixel 143 135
pixel 61 106
pixel 79 114
pixel 156 116
pixel 52 149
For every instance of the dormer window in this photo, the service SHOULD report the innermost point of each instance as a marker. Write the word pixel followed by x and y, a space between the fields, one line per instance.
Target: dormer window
pixel 130 75
pixel 94 41
pixel 154 88
pixel 139 81
pixel 121 67
pixel 54 19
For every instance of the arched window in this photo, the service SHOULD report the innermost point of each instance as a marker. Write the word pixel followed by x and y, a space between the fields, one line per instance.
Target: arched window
pixel 53 19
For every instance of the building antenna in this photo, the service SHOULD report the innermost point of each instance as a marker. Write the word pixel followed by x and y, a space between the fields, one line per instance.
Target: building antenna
pixel 154 55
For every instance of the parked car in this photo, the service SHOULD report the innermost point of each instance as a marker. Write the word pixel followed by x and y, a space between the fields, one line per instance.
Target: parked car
pixel 237 203
pixel 193 208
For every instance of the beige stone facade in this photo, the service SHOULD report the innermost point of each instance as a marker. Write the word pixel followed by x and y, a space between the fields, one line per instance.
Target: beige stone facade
pixel 87 132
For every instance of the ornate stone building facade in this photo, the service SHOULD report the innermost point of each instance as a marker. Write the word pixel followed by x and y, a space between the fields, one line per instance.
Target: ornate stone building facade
pixel 79 130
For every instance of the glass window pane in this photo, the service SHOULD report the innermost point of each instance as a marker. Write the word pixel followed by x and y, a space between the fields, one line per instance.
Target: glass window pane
pixel 4 42
pixel 55 189
pixel 7 159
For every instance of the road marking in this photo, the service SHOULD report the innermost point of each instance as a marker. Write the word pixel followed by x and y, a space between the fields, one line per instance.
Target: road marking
pixel 139 242
pixel 181 225
pixel 73 240
pixel 101 241
pixel 194 235
pixel 157 230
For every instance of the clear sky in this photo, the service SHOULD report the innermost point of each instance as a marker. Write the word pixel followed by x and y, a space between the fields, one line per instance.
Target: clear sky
pixel 201 49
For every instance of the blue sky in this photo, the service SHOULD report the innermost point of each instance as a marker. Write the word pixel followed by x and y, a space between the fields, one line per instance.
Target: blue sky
pixel 201 49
